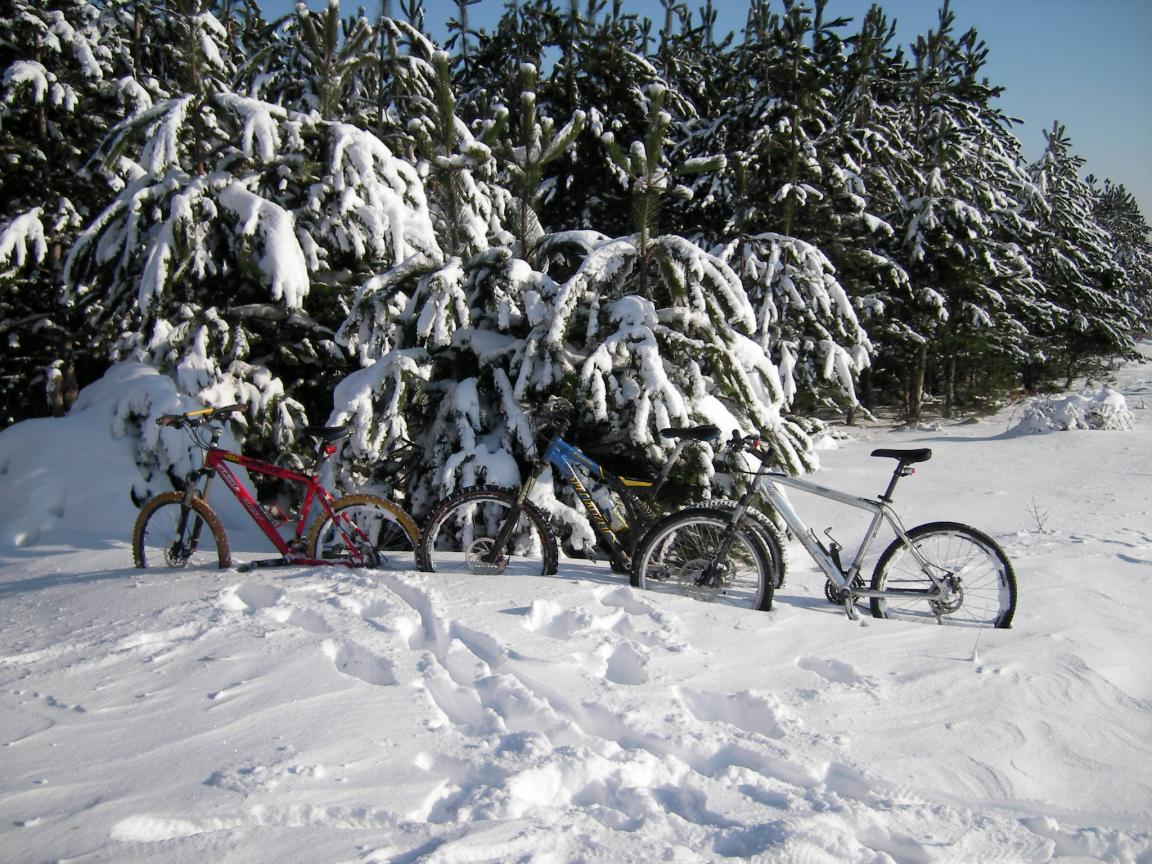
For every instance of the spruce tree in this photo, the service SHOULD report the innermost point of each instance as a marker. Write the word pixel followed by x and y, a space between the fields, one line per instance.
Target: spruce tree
pixel 1073 257
pixel 59 71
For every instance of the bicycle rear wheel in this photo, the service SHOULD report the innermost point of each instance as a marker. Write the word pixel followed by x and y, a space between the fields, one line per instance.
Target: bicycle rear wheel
pixel 461 530
pixel 170 533
pixel 982 579
pixel 384 535
pixel 677 553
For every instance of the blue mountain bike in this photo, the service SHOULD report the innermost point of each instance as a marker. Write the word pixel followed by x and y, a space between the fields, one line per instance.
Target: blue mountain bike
pixel 495 529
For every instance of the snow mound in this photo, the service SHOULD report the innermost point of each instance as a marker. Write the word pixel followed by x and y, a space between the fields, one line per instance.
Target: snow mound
pixel 1104 409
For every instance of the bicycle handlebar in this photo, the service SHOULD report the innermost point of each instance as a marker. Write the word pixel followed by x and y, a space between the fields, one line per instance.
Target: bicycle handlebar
pixel 199 417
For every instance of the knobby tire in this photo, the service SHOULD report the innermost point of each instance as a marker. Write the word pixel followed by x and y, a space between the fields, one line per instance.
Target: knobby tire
pixel 392 533
pixel 154 537
pixel 453 536
pixel 676 551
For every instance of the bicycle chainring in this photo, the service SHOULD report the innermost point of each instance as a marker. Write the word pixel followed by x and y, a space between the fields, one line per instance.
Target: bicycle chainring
pixel 474 556
pixel 835 595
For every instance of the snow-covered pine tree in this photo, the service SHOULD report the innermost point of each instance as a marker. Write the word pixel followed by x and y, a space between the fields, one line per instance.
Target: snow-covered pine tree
pixel 601 68
pixel 785 193
pixel 203 263
pixel 412 315
pixel 864 158
pixel 1073 257
pixel 1118 213
pixel 58 68
pixel 653 330
pixel 330 67
pixel 956 219
pixel 537 143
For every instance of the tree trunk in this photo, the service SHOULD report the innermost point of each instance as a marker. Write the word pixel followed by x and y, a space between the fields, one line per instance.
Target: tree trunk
pixel 949 385
pixel 916 387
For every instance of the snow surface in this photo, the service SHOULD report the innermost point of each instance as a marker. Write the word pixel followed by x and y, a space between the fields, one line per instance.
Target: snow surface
pixel 338 716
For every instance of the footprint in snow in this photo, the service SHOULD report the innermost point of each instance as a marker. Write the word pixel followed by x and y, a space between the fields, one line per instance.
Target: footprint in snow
pixel 357 661
pixel 626 666
pixel 835 671
pixel 748 711
pixel 305 619
pixel 249 597
pixel 555 621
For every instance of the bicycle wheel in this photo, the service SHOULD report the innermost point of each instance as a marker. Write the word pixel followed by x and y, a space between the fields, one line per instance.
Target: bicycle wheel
pixel 676 554
pixel 983 583
pixel 169 534
pixel 385 535
pixel 460 531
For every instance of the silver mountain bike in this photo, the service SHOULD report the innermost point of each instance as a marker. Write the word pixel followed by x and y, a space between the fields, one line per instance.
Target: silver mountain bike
pixel 939 572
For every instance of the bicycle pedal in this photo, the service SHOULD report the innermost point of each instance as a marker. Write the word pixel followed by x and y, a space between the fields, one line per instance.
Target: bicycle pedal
pixel 850 608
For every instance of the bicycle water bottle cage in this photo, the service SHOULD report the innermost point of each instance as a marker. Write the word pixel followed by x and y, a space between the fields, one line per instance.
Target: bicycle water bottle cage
pixel 694 433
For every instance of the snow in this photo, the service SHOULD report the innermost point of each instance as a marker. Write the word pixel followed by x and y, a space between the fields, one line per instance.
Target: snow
pixel 1104 408
pixel 283 261
pixel 366 716
pixel 24 234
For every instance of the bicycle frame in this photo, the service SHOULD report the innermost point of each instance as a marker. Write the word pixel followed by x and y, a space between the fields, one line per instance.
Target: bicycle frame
pixel 569 461
pixel 216 462
pixel 828 560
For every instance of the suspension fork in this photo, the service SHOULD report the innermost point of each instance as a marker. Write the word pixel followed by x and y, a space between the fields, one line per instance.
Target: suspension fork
pixel 709 577
pixel 505 533
pixel 190 492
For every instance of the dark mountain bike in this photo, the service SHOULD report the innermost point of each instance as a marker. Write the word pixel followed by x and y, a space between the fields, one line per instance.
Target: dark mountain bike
pixel 494 529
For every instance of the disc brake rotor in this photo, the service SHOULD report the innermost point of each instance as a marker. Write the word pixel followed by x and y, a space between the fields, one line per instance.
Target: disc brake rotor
pixel 952 604
pixel 474 556
pixel 688 574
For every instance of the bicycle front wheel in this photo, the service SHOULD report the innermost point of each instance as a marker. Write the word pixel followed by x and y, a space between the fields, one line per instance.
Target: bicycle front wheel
pixel 679 556
pixel 979 574
pixel 382 535
pixel 170 532
pixel 460 533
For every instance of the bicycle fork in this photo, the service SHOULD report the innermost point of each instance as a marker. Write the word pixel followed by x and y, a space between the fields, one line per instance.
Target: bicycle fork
pixel 503 536
pixel 185 544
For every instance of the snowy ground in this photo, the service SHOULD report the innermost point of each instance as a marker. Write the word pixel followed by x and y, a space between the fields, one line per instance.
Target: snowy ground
pixel 318 716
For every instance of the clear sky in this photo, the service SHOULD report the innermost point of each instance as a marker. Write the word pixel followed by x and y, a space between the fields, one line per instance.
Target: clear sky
pixel 1086 63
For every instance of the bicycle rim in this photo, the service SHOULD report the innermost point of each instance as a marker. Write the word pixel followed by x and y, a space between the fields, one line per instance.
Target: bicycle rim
pixel 985 586
pixel 461 533
pixel 678 552
pixel 158 541
pixel 382 534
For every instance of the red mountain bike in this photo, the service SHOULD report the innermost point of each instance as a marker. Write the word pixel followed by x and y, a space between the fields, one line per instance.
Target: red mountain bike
pixel 178 529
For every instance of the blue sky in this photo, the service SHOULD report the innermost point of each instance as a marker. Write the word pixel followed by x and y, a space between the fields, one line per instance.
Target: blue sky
pixel 1086 63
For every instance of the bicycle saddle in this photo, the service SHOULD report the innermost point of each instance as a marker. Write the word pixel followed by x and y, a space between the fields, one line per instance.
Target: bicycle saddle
pixel 905 456
pixel 328 434
pixel 696 433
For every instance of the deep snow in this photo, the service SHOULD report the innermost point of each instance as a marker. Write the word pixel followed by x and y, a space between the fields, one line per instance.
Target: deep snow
pixel 333 716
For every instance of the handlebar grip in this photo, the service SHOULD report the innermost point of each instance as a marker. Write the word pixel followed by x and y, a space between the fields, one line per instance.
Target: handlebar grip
pixel 169 420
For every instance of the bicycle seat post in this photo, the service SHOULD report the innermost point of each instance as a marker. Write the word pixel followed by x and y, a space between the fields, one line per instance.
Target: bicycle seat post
pixel 901 471
pixel 904 461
